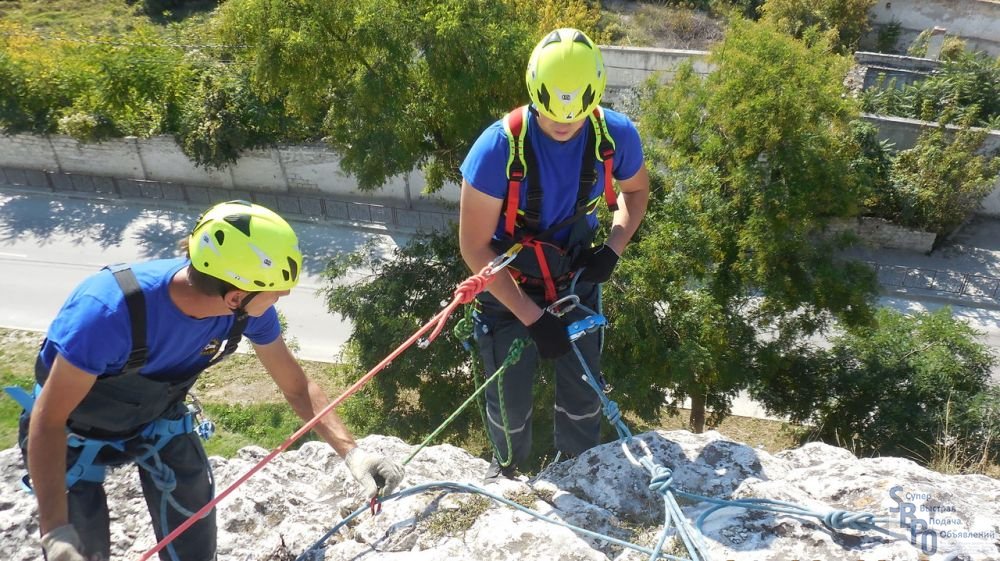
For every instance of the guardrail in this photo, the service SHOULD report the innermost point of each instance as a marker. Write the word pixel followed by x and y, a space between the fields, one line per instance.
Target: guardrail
pixel 952 282
pixel 309 204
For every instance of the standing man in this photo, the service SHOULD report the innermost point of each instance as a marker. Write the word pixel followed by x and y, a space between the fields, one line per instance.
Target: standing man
pixel 119 360
pixel 536 177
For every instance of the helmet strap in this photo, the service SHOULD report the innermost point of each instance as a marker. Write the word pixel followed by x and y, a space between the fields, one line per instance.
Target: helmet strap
pixel 242 309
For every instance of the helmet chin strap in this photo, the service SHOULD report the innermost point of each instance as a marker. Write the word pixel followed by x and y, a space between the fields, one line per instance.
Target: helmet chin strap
pixel 241 311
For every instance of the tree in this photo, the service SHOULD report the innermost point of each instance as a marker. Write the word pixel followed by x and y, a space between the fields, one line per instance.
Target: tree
pixel 891 387
pixel 756 159
pixel 843 22
pixel 392 85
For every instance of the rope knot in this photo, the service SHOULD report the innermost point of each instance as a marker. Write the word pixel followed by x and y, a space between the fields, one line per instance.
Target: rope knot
pixel 844 519
pixel 470 287
pixel 662 480
pixel 612 412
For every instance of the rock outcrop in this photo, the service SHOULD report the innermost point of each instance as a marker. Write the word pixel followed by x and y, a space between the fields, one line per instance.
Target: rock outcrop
pixel 282 513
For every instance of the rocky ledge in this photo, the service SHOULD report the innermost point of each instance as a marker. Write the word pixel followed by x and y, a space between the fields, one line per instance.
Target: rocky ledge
pixel 284 511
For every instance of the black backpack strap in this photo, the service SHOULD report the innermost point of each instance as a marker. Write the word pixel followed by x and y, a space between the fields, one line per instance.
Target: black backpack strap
pixel 588 171
pixel 232 339
pixel 136 304
pixel 533 203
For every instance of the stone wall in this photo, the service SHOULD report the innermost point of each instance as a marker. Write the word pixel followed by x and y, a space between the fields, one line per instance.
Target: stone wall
pixel 877 232
pixel 975 21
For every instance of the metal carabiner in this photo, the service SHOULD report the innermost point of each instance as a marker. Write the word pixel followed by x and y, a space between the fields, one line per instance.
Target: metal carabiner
pixel 557 308
pixel 501 261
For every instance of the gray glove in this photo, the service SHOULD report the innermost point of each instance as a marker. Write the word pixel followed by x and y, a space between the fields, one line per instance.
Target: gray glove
pixel 376 474
pixel 63 544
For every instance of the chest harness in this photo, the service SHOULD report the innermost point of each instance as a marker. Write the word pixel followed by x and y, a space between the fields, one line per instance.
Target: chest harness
pixel 522 225
pixel 125 405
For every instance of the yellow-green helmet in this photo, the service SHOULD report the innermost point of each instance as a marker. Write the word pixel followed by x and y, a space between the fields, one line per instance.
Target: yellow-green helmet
pixel 566 76
pixel 246 245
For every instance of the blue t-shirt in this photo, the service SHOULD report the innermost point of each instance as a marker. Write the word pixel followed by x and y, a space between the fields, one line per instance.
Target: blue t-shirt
pixel 485 167
pixel 93 330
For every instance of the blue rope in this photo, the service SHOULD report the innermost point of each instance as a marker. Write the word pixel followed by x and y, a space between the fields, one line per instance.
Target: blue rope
pixel 661 481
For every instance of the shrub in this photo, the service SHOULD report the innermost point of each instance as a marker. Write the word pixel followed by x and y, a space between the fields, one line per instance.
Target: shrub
pixel 888 389
pixel 942 179
pixel 844 21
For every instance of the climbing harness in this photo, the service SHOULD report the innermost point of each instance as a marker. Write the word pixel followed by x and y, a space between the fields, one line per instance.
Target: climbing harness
pixel 88 424
pixel 521 226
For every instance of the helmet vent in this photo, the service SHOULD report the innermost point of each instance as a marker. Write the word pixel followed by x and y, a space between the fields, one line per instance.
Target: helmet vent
pixel 294 268
pixel 220 236
pixel 551 38
pixel 241 222
pixel 260 284
pixel 545 98
pixel 588 97
pixel 581 38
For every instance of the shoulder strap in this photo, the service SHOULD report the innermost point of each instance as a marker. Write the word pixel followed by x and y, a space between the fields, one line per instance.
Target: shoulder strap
pixel 136 304
pixel 605 152
pixel 513 125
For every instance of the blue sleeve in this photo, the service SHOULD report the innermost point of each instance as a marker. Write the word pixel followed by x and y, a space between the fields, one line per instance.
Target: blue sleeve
pixel 264 329
pixel 90 335
pixel 485 166
pixel 628 145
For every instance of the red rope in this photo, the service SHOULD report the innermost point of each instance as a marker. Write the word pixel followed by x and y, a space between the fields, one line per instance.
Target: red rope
pixel 464 293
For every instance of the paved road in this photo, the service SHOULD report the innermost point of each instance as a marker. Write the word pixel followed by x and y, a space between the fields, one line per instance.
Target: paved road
pixel 48 245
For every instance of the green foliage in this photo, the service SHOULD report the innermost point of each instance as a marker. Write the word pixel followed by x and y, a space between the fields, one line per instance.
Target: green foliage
pixel 918 47
pixel 262 424
pixel 888 36
pixel 887 388
pixel 132 85
pixel 10 411
pixel 952 48
pixel 967 86
pixel 224 116
pixel 843 22
pixel 942 179
pixel 395 84
pixel 757 158
pixel 402 292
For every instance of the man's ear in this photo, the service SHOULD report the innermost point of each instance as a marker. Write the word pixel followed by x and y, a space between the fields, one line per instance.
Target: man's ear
pixel 234 298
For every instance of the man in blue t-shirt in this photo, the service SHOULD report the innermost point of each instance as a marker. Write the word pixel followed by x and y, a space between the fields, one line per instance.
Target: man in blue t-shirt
pixel 535 178
pixel 117 364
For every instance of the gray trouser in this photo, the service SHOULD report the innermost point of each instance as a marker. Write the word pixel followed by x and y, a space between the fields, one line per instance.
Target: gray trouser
pixel 577 405
pixel 184 454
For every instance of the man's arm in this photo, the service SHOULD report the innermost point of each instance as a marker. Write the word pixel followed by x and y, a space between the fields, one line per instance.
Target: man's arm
pixel 479 214
pixel 306 398
pixel 632 203
pixel 64 389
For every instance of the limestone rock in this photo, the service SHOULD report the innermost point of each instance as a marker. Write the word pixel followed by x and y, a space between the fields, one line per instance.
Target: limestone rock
pixel 284 511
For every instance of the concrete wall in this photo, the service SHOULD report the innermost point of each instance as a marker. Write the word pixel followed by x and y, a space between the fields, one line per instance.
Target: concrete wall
pixel 975 21
pixel 876 232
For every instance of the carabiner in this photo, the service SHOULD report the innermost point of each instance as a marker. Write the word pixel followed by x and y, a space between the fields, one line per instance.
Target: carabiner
pixel 501 261
pixel 556 308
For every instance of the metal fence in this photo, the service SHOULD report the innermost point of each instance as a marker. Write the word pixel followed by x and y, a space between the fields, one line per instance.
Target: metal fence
pixel 952 282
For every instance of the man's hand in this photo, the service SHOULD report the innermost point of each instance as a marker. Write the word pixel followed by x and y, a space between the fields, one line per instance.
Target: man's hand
pixel 376 474
pixel 598 264
pixel 62 544
pixel 550 336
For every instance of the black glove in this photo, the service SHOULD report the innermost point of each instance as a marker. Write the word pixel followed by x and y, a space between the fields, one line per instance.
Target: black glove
pixel 550 336
pixel 598 264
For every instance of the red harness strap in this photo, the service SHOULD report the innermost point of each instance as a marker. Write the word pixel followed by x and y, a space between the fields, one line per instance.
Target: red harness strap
pixel 515 172
pixel 606 152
